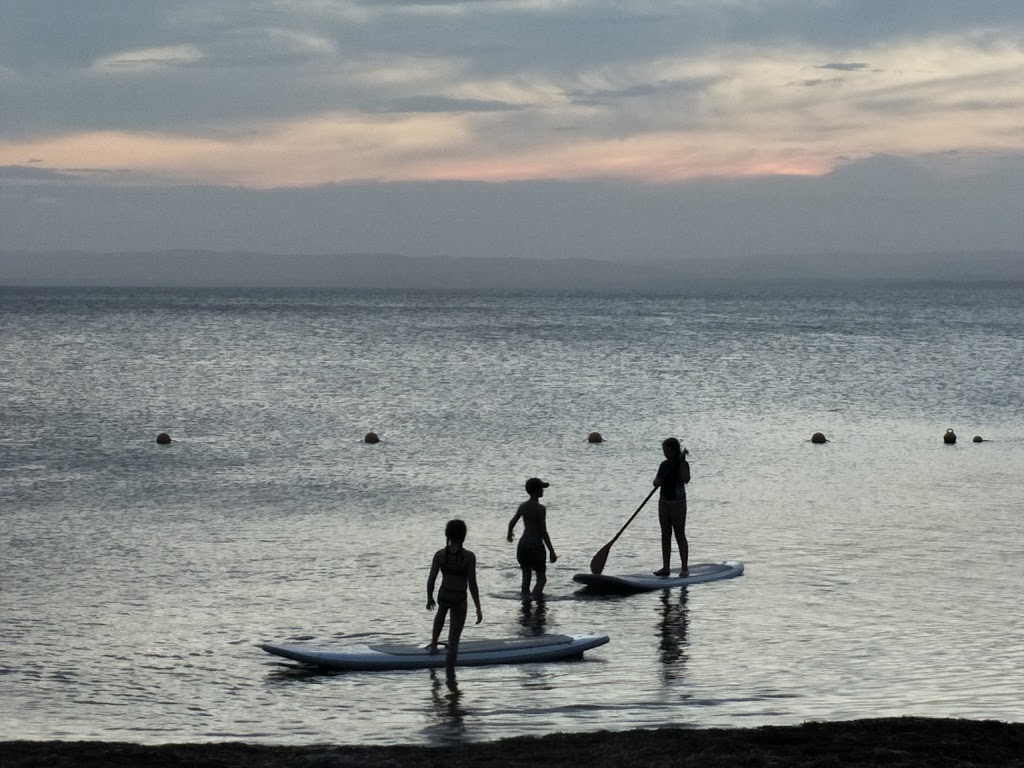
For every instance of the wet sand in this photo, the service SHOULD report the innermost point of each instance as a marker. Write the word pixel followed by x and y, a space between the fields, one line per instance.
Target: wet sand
pixel 888 742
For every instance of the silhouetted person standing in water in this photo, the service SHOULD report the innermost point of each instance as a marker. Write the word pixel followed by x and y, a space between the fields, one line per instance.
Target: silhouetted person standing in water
pixel 530 552
pixel 673 475
pixel 457 567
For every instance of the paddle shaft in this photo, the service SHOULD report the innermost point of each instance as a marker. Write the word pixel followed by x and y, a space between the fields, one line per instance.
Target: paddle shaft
pixel 633 516
pixel 597 564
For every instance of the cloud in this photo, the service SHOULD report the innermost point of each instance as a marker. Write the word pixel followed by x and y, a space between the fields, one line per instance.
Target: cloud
pixel 819 81
pixel 30 174
pixel 149 59
pixel 850 67
pixel 640 90
pixel 288 93
pixel 879 205
pixel 428 103
pixel 674 118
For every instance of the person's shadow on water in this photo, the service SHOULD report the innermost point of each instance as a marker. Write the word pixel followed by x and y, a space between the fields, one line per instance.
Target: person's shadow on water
pixel 533 616
pixel 672 630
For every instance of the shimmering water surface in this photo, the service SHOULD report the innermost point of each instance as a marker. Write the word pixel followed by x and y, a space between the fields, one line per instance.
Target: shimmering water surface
pixel 883 569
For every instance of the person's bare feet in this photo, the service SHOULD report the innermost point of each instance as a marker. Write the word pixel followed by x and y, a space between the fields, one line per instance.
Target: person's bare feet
pixel 663 572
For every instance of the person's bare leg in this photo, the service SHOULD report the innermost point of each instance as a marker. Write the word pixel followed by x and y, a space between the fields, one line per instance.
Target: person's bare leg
pixel 526 581
pixel 435 636
pixel 684 554
pixel 542 579
pixel 679 525
pixel 666 551
pixel 455 625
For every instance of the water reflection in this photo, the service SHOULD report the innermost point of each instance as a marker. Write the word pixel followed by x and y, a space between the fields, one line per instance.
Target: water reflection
pixel 533 616
pixel 283 672
pixel 672 626
pixel 446 698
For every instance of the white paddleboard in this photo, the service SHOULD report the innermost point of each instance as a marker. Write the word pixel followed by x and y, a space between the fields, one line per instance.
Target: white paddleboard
pixel 472 653
pixel 648 582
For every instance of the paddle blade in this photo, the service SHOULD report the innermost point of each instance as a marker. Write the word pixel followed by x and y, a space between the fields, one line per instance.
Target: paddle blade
pixel 597 564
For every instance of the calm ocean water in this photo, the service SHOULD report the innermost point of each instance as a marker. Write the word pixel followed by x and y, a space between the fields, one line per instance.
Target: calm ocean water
pixel 883 569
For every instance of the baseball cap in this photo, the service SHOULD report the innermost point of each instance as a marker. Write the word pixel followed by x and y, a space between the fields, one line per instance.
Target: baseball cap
pixel 535 483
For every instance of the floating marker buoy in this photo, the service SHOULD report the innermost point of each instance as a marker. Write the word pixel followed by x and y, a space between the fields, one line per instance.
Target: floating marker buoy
pixel 950 437
pixel 371 437
pixel 163 438
pixel 979 439
pixel 818 438
pixel 595 437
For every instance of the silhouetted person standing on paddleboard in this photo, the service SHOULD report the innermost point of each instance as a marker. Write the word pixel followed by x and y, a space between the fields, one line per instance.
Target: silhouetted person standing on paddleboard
pixel 530 553
pixel 457 567
pixel 673 475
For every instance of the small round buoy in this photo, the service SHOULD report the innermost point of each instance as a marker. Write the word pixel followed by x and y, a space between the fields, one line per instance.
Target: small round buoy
pixel 371 437
pixel 818 438
pixel 979 439
pixel 595 437
pixel 163 438
pixel 950 437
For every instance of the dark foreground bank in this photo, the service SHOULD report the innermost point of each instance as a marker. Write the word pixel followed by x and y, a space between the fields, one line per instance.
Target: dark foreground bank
pixel 889 742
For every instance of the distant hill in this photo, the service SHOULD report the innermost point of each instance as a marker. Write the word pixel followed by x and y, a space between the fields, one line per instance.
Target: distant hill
pixel 371 270
pixel 216 269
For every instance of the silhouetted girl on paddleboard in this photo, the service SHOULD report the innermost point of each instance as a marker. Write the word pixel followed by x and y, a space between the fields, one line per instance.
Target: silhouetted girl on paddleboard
pixel 673 475
pixel 457 567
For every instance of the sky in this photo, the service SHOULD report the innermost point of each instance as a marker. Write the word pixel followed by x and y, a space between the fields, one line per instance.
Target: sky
pixel 625 131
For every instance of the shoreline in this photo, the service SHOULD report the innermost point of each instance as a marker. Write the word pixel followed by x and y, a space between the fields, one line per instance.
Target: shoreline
pixel 893 742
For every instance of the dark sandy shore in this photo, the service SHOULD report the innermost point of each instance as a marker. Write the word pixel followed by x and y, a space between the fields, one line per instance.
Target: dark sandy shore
pixel 888 743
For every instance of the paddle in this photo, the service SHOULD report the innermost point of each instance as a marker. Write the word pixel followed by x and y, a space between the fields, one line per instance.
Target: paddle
pixel 597 564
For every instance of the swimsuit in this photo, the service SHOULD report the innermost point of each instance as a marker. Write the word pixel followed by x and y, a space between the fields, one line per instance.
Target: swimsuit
pixel 673 477
pixel 531 553
pixel 453 580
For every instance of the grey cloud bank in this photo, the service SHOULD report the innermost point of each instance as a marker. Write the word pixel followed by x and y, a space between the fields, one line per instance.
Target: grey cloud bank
pixel 883 218
pixel 880 206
